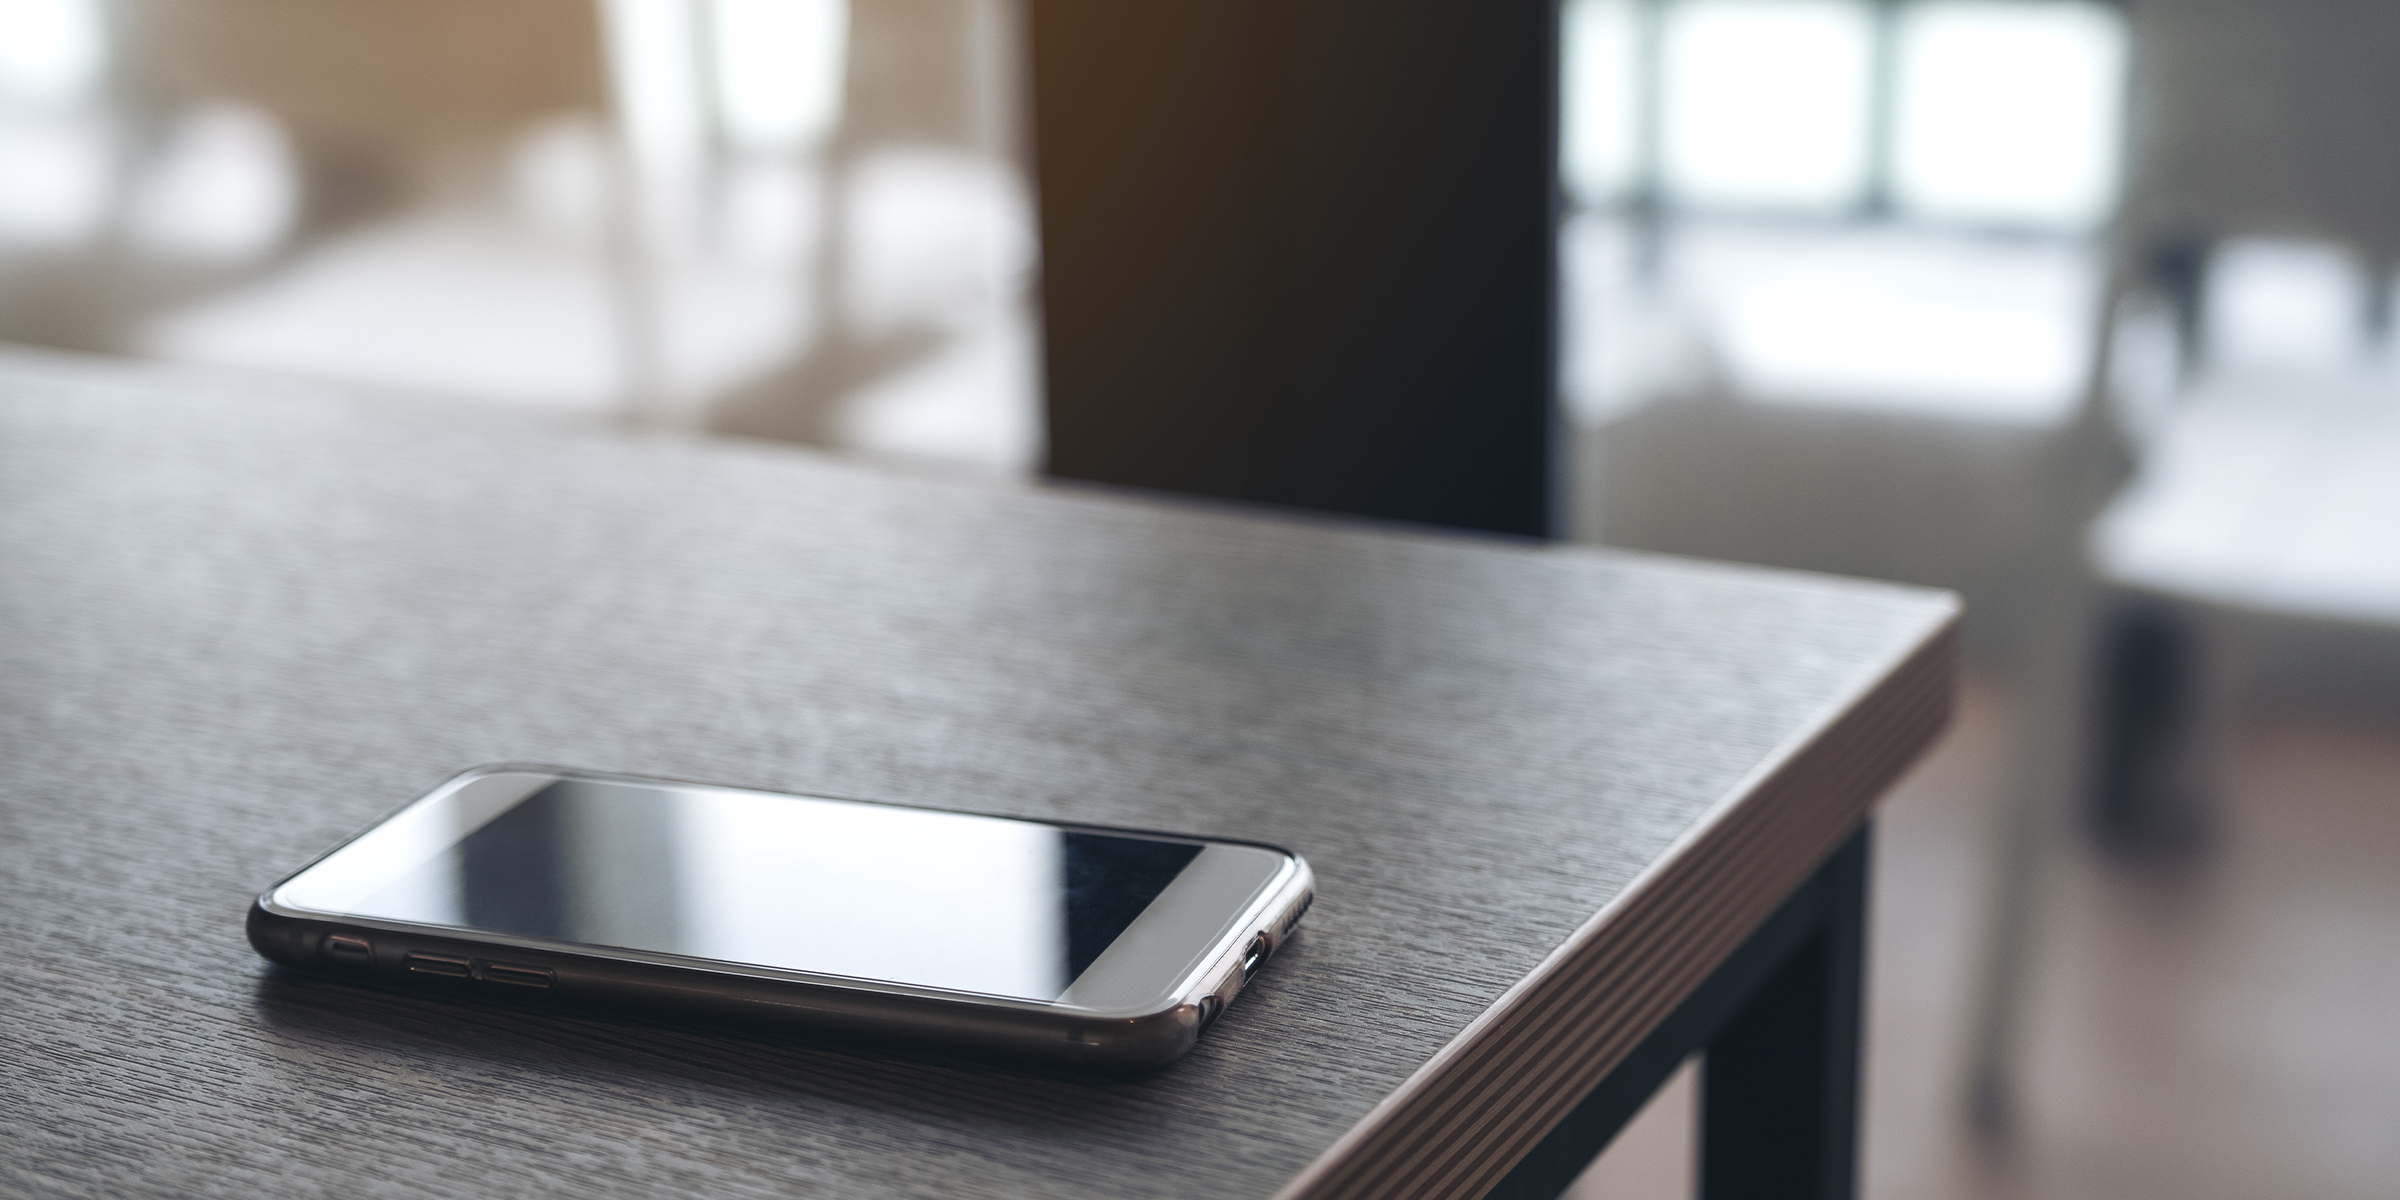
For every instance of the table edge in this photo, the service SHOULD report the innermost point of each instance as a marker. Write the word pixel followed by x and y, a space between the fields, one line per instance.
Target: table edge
pixel 1457 1125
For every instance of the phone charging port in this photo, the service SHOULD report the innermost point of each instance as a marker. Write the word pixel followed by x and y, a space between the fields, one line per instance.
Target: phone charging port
pixel 1254 957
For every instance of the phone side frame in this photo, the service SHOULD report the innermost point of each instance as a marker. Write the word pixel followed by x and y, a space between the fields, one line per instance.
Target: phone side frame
pixel 398 952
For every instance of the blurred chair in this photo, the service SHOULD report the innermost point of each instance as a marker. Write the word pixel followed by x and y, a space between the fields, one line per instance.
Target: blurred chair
pixel 1908 406
pixel 737 213
pixel 378 100
pixel 2260 541
pixel 1876 401
pixel 1916 404
pixel 932 78
pixel 2262 519
pixel 362 114
pixel 2257 550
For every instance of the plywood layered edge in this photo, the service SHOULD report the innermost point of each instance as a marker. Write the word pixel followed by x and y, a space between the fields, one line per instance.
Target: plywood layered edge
pixel 1458 1125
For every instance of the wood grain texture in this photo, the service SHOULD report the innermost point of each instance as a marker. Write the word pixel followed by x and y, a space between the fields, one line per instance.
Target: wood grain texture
pixel 239 620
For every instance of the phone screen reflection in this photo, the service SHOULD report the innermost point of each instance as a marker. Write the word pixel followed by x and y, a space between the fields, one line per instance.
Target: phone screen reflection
pixel 942 900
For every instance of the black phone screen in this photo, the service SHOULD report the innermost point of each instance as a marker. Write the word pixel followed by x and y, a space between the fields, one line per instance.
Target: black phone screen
pixel 934 899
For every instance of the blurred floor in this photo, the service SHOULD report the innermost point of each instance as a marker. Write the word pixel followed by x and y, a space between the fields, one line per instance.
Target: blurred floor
pixel 2221 1027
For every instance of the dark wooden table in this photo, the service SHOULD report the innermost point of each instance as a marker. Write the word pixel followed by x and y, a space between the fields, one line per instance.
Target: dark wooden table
pixel 1573 813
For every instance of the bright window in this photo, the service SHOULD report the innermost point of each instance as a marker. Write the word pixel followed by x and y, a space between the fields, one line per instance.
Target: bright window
pixel 2007 112
pixel 1965 112
pixel 1765 103
pixel 50 50
pixel 779 69
pixel 1601 129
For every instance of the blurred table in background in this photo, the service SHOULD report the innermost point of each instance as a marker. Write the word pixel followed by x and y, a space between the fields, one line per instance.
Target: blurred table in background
pixel 1574 813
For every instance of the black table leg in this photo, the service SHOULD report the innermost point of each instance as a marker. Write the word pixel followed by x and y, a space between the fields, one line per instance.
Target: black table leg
pixel 1780 1022
pixel 1779 1093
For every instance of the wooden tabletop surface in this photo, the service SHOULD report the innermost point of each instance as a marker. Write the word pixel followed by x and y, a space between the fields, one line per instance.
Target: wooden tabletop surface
pixel 1543 788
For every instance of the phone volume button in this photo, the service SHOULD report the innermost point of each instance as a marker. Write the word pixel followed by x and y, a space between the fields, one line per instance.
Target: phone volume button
pixel 452 968
pixel 436 964
pixel 520 976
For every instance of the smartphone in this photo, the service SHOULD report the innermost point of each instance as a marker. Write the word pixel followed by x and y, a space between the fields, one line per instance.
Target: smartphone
pixel 1081 944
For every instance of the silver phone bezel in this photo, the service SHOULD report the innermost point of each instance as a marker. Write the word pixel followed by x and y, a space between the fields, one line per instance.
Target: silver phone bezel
pixel 1164 959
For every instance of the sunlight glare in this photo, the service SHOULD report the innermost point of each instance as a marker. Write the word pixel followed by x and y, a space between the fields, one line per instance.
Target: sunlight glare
pixel 1601 92
pixel 779 70
pixel 52 50
pixel 2008 112
pixel 1765 102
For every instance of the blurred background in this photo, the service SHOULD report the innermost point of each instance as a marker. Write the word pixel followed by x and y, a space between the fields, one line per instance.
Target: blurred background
pixel 790 218
pixel 2084 309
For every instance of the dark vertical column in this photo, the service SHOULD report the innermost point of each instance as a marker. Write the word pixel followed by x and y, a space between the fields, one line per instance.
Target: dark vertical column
pixel 2142 796
pixel 1779 1094
pixel 2178 268
pixel 1301 251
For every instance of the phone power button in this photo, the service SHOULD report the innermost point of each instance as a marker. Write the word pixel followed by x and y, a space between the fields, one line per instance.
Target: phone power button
pixel 348 948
